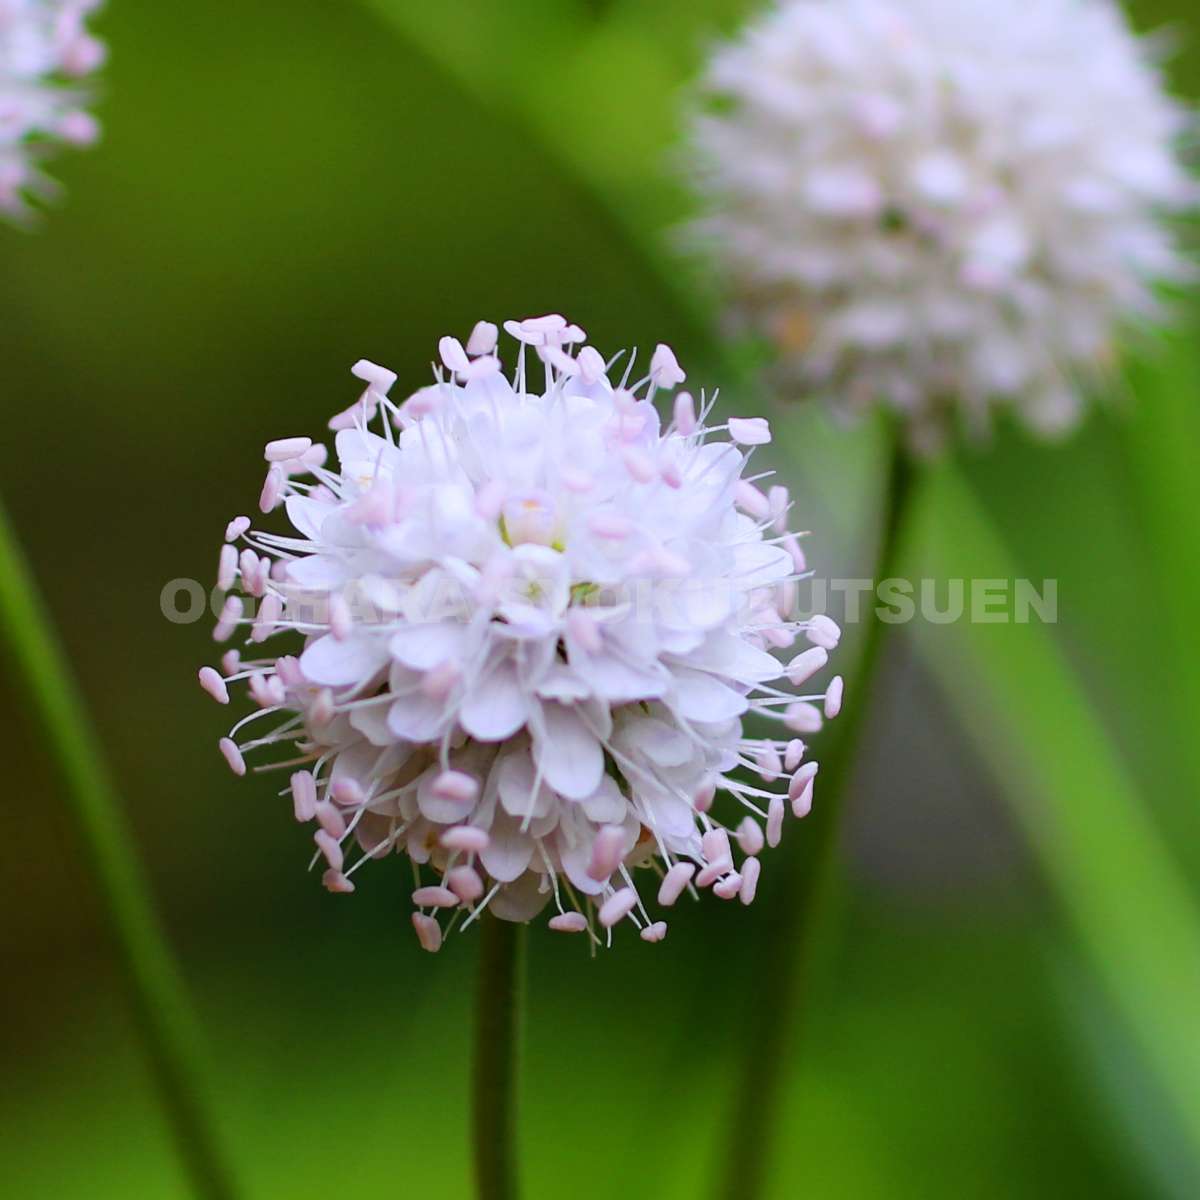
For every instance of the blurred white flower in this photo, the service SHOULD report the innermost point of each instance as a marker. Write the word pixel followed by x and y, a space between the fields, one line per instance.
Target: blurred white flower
pixel 44 50
pixel 941 205
pixel 534 621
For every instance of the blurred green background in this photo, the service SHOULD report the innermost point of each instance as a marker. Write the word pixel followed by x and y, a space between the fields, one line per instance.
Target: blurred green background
pixel 1005 1005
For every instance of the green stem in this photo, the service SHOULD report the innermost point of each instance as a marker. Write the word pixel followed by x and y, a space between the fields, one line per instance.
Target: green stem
pixel 778 1023
pixel 163 1016
pixel 497 1046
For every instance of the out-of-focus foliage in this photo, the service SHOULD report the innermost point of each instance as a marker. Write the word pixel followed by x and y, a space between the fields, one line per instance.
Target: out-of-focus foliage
pixel 1115 875
pixel 284 188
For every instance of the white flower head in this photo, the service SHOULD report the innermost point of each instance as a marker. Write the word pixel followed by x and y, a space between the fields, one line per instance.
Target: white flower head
pixel 45 50
pixel 941 205
pixel 533 621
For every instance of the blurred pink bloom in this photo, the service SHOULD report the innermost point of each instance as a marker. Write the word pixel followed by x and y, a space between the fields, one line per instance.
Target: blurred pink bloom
pixel 44 50
pixel 941 205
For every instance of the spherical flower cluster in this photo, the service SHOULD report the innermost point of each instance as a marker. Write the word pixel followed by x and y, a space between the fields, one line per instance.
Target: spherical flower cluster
pixel 941 205
pixel 534 620
pixel 44 48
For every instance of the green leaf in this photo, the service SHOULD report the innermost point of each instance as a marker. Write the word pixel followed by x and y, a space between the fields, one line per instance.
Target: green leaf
pixel 1163 434
pixel 1093 834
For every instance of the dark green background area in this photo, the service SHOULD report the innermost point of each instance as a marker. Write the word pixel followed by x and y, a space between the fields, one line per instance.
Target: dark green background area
pixel 285 188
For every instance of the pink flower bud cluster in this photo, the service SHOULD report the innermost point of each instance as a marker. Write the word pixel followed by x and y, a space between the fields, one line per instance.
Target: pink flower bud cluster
pixel 529 623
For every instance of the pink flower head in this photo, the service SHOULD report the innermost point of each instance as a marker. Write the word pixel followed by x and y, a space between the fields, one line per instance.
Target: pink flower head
pixel 525 622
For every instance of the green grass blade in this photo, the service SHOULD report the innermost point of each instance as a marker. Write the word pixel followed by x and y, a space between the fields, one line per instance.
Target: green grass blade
pixel 163 1015
pixel 1163 434
pixel 618 176
pixel 1116 880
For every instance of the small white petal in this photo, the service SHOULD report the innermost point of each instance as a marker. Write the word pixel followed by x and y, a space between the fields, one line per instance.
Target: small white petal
pixel 567 752
pixel 496 707
pixel 334 662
